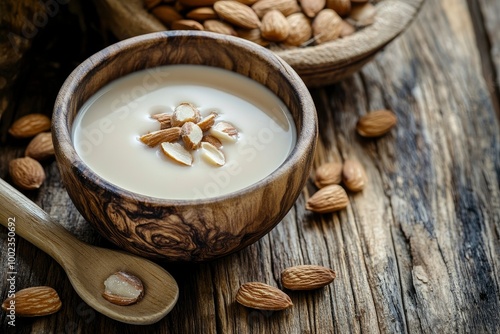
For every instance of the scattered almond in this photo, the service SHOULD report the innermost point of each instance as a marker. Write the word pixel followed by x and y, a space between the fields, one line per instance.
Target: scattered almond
pixel 154 138
pixel 224 131
pixel 40 147
pixel 237 13
pixel 212 140
pixel 178 153
pixel 328 199
pixel 191 135
pixel 212 154
pixel 312 7
pixel 207 122
pixel 275 26
pixel 164 119
pixel 185 112
pixel 353 175
pixel 26 173
pixel 307 277
pixel 29 126
pixel 122 288
pixel 262 297
pixel 327 174
pixel 376 123
pixel 34 302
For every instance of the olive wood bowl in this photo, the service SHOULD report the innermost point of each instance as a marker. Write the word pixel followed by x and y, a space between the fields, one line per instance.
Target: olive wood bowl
pixel 184 230
pixel 317 65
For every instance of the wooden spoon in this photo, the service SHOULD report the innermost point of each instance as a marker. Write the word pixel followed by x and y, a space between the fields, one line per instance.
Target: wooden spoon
pixel 88 266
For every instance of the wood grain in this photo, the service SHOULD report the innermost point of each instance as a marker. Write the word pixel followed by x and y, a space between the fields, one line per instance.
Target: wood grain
pixel 417 251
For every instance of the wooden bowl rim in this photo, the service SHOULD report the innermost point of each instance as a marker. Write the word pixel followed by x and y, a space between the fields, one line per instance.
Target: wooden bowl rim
pixel 306 136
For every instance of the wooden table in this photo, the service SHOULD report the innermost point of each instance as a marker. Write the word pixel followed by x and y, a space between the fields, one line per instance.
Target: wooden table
pixel 417 251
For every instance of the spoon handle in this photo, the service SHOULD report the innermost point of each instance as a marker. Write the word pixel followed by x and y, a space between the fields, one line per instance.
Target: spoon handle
pixel 34 224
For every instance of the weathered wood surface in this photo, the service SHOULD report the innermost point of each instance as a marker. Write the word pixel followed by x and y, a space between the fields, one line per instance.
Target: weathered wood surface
pixel 417 251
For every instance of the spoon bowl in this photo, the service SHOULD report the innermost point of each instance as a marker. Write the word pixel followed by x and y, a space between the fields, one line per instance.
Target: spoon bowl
pixel 88 266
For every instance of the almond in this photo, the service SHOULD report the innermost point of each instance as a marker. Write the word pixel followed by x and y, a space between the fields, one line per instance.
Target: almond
pixel 300 29
pixel 40 147
pixel 262 297
pixel 26 173
pixel 29 126
pixel 212 140
pixel 166 14
pixel 312 7
pixel 157 137
pixel 197 3
pixel 122 288
pixel 247 2
pixel 237 13
pixel 376 123
pixel 191 135
pixel 328 199
pixel 178 153
pixel 327 26
pixel 224 131
pixel 202 14
pixel 219 27
pixel 275 26
pixel 164 119
pixel 353 175
pixel 185 112
pixel 212 154
pixel 150 4
pixel 287 7
pixel 341 7
pixel 186 25
pixel 307 277
pixel 346 29
pixel 253 35
pixel 34 302
pixel 207 122
pixel 363 14
pixel 327 174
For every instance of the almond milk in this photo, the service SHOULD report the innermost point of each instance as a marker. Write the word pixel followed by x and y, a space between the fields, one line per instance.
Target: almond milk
pixel 106 131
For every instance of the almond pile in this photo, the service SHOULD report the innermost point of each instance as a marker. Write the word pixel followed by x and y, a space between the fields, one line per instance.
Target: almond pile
pixel 185 130
pixel 262 296
pixel 273 23
pixel 27 173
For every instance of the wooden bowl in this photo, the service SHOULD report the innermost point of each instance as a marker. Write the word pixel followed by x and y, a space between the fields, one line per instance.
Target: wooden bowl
pixel 185 230
pixel 317 65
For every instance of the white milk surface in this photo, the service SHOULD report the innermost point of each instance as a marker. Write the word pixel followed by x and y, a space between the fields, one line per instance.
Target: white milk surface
pixel 106 131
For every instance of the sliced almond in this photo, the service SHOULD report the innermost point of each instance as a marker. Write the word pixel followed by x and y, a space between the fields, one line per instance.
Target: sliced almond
pixel 207 122
pixel 212 140
pixel 191 135
pixel 123 288
pixel 178 153
pixel 224 131
pixel 164 119
pixel 156 137
pixel 212 154
pixel 185 112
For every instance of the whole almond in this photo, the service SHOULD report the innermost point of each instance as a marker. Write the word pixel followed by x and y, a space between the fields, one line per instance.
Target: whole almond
pixel 237 13
pixel 253 35
pixel 307 277
pixel 275 26
pixel 376 123
pixel 150 4
pixel 186 25
pixel 219 27
pixel 34 302
pixel 363 14
pixel 341 7
pixel 327 174
pixel 26 173
pixel 328 199
pixel 326 26
pixel 197 3
pixel 287 7
pixel 202 14
pixel 166 14
pixel 247 2
pixel 353 175
pixel 300 29
pixel 40 147
pixel 312 7
pixel 262 297
pixel 347 29
pixel 29 126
